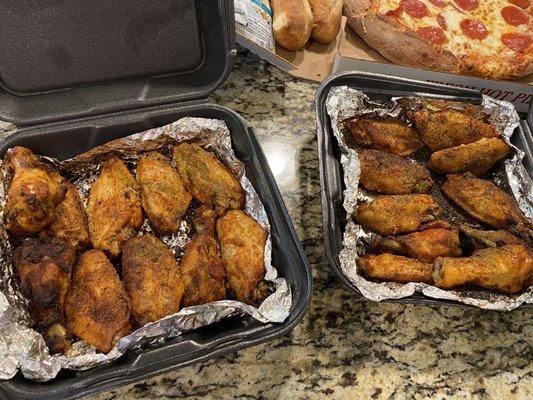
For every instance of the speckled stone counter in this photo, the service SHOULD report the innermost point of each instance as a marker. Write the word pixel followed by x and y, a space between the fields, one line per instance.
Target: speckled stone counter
pixel 345 348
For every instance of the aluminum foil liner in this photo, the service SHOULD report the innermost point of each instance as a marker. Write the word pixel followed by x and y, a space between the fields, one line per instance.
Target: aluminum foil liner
pixel 344 102
pixel 24 349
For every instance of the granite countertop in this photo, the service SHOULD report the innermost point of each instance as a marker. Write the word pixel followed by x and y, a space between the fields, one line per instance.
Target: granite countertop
pixel 345 348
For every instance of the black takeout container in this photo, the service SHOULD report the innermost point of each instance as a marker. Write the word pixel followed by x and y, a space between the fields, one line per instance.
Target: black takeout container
pixel 379 88
pixel 85 89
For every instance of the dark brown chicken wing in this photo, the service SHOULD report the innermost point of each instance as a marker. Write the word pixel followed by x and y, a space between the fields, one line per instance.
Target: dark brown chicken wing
pixel 164 198
pixel 390 267
pixel 97 306
pixel 481 239
pixel 391 174
pixel 151 278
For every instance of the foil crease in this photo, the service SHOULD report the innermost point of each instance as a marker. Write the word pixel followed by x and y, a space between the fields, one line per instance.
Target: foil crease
pixel 23 348
pixel 344 102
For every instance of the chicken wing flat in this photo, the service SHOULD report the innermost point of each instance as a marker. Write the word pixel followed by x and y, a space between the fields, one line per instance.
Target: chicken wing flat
pixel 206 178
pixel 201 267
pixel 34 193
pixel 164 198
pixel 242 243
pixel 482 239
pixel 476 158
pixel 390 267
pixel 70 224
pixel 506 268
pixel 97 306
pixel 151 278
pixel 386 134
pixel 390 215
pixel 43 267
pixel 391 174
pixel 114 207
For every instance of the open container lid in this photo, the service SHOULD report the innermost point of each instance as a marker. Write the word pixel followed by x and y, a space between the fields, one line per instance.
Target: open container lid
pixel 68 59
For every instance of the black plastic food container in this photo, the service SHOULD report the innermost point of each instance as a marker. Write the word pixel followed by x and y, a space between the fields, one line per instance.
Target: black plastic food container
pixel 84 73
pixel 379 88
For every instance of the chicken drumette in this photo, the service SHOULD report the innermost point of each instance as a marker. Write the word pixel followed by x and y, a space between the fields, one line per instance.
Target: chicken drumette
pixel 390 267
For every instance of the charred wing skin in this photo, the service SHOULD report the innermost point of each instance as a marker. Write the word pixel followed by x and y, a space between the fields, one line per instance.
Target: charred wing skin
pixel 506 268
pixel 207 179
pixel 151 278
pixel 476 158
pixel 242 243
pixel 394 268
pixel 482 239
pixel 164 199
pixel 390 174
pixel 97 306
pixel 114 207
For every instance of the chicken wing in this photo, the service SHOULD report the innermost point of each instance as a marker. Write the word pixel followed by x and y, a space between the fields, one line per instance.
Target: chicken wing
pixel 390 267
pixel 164 198
pixel 201 267
pixel 476 157
pixel 114 208
pixel 43 267
pixel 70 224
pixel 97 306
pixel 206 178
pixel 390 215
pixel 484 201
pixel 242 243
pixel 481 239
pixel 151 278
pixel 34 193
pixel 449 128
pixel 506 268
pixel 391 174
pixel 385 134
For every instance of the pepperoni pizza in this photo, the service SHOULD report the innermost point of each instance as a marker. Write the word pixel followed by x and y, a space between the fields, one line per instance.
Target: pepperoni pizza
pixel 488 38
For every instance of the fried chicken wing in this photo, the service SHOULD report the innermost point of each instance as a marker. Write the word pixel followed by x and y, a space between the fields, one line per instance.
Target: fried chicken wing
pixel 164 198
pixel 390 215
pixel 43 267
pixel 114 207
pixel 390 267
pixel 385 134
pixel 34 193
pixel 151 278
pixel 449 128
pixel 70 224
pixel 476 157
pixel 391 174
pixel 201 266
pixel 97 306
pixel 506 268
pixel 481 239
pixel 242 243
pixel 206 178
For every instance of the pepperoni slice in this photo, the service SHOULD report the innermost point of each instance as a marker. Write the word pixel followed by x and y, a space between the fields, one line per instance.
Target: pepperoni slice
pixel 439 3
pixel 520 3
pixel 432 34
pixel 415 8
pixel 442 22
pixel 517 42
pixel 514 16
pixel 467 5
pixel 474 29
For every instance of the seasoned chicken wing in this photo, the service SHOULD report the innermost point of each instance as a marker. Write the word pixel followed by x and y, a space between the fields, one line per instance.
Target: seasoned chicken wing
pixel 97 306
pixel 43 267
pixel 151 278
pixel 448 128
pixel 242 243
pixel 476 157
pixel 386 134
pixel 114 207
pixel 70 224
pixel 34 193
pixel 506 268
pixel 390 267
pixel 206 178
pixel 482 239
pixel 391 174
pixel 390 215
pixel 201 266
pixel 164 198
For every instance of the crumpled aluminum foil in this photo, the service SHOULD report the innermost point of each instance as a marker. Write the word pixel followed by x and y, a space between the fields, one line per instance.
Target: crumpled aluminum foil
pixel 344 102
pixel 24 349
